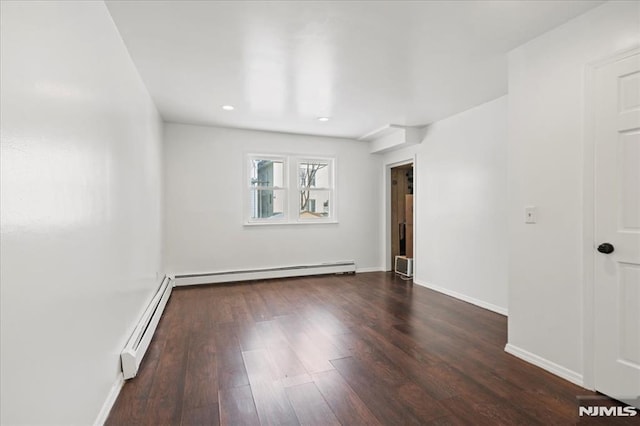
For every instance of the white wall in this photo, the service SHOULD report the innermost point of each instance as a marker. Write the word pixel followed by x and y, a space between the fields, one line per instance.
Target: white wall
pixel 546 125
pixel 461 191
pixel 204 189
pixel 81 202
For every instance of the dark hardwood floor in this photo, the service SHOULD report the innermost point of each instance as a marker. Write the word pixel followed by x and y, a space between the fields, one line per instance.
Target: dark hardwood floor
pixel 351 349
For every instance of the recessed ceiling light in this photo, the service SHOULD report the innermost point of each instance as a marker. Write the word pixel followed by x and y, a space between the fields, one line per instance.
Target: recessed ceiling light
pixel 228 107
pixel 323 118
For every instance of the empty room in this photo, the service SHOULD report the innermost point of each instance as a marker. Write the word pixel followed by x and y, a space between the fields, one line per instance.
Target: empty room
pixel 320 212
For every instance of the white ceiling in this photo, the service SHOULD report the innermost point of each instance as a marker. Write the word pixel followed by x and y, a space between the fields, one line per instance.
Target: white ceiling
pixel 365 64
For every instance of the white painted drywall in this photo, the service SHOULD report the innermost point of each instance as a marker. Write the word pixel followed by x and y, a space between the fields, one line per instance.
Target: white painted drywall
pixel 81 209
pixel 204 181
pixel 546 131
pixel 460 181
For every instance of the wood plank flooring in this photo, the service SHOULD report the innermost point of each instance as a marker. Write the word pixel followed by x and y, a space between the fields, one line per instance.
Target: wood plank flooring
pixel 366 349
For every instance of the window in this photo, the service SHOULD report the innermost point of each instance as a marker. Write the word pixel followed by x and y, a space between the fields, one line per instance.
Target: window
pixel 290 189
pixel 315 189
pixel 267 190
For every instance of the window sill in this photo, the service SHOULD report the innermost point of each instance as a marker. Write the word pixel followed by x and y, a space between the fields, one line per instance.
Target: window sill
pixel 319 222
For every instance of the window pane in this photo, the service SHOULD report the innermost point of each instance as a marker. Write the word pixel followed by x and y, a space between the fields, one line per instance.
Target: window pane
pixel 314 204
pixel 267 173
pixel 314 174
pixel 267 203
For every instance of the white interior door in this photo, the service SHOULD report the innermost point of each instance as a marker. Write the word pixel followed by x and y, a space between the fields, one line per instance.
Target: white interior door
pixel 617 223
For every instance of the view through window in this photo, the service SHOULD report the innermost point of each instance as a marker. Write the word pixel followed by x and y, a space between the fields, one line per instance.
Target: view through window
pixel 270 180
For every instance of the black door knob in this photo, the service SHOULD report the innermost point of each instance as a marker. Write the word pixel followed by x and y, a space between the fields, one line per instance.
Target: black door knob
pixel 605 248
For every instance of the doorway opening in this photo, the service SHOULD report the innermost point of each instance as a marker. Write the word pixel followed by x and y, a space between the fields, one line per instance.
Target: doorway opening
pixel 401 225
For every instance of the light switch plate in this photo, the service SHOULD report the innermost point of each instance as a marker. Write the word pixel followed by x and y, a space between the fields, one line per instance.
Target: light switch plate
pixel 530 214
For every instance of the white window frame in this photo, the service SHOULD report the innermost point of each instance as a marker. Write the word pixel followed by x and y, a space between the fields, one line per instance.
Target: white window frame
pixel 291 189
pixel 331 189
pixel 249 189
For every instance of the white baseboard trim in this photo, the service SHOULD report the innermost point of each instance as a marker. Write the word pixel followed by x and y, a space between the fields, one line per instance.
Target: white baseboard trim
pixel 545 364
pixel 371 269
pixel 111 399
pixel 481 303
pixel 265 273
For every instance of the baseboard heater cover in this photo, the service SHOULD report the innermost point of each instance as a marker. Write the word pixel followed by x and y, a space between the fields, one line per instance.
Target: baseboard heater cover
pixel 140 339
pixel 348 266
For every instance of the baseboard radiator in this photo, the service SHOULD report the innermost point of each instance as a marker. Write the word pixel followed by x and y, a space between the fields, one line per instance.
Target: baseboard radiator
pixel 140 339
pixel 342 267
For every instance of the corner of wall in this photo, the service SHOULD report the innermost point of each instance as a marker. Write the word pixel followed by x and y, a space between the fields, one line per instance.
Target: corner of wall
pixel 112 396
pixel 545 364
